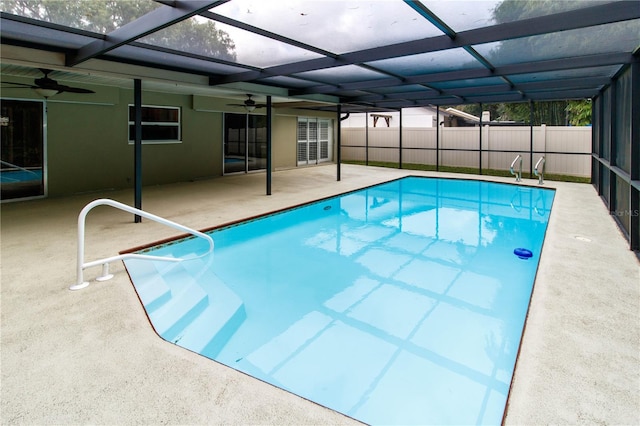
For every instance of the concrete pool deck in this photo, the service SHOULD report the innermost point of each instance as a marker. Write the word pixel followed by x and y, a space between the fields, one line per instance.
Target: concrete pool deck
pixel 91 356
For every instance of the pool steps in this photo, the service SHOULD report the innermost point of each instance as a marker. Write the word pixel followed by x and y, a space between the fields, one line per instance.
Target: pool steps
pixel 208 333
pixel 151 288
pixel 198 317
pixel 81 265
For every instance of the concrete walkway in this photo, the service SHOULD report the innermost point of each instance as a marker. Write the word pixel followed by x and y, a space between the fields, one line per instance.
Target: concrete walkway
pixel 91 356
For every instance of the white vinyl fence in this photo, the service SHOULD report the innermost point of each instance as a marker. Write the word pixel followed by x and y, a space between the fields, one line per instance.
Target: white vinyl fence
pixel 567 150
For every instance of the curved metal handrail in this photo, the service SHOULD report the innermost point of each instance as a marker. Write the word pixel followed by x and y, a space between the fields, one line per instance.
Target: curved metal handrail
pixel 81 265
pixel 518 175
pixel 540 174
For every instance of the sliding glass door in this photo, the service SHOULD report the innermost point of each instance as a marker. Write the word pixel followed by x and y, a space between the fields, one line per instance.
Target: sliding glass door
pixel 245 143
pixel 22 154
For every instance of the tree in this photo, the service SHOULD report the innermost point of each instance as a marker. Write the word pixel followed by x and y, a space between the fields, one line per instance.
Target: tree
pixel 552 113
pixel 103 16
pixel 554 45
pixel 579 113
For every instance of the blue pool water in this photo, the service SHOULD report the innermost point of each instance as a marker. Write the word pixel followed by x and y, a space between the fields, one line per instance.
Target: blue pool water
pixel 402 303
pixel 21 176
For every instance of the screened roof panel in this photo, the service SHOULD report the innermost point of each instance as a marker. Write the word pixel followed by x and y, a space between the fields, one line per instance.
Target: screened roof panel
pixel 467 15
pixel 338 75
pixel 463 15
pixel 38 35
pixel 333 25
pixel 471 82
pixel 347 50
pixel 239 46
pixel 606 72
pixel 432 62
pixel 67 13
pixel 198 65
pixel 351 93
pixel 616 37
pixel 288 82
pixel 397 89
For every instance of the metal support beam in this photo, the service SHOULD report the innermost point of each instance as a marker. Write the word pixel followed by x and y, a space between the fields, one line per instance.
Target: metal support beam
pixel 338 142
pixel 480 143
pixel 634 232
pixel 613 141
pixel 600 118
pixel 400 142
pixel 438 138
pixel 595 140
pixel 137 147
pixel 269 129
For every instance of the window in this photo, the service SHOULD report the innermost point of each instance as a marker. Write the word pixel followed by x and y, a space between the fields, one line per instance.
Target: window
pixel 314 141
pixel 159 124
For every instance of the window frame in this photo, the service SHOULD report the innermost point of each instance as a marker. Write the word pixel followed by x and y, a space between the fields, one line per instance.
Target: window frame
pixel 168 124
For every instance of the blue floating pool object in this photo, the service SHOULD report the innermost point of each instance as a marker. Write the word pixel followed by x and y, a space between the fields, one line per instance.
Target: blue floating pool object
pixel 522 253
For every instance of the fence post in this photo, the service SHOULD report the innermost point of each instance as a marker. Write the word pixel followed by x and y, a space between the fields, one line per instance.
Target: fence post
pixel 366 138
pixel 531 139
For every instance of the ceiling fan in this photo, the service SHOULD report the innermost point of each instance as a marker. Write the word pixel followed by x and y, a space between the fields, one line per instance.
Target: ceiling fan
pixel 46 86
pixel 249 104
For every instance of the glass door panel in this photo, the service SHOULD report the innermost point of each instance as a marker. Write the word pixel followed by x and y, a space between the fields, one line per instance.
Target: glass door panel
pixel 235 143
pixel 245 143
pixel 257 142
pixel 22 149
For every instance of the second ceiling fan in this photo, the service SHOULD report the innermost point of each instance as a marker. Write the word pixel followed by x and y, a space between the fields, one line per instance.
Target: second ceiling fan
pixel 249 104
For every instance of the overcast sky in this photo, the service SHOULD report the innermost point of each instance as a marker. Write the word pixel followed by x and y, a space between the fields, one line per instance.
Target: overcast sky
pixel 340 26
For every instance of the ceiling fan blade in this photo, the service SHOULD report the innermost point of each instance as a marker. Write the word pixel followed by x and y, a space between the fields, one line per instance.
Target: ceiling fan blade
pixel 19 85
pixel 62 88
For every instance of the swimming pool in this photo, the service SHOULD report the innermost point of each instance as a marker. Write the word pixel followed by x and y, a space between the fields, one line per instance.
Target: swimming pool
pixel 402 303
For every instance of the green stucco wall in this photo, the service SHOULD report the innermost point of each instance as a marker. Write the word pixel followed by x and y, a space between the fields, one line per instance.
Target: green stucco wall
pixel 284 141
pixel 87 148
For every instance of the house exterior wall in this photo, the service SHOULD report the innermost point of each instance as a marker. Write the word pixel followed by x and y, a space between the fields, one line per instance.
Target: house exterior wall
pixel 87 146
pixel 283 139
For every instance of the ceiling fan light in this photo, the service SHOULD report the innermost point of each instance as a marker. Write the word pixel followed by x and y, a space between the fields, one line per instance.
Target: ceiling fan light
pixel 250 108
pixel 45 93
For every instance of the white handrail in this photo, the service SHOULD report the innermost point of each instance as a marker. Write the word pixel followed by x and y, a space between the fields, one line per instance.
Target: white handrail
pixel 81 265
pixel 540 174
pixel 518 175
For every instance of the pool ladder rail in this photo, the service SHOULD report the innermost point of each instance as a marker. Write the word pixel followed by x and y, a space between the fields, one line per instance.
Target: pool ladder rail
pixel 517 174
pixel 540 171
pixel 81 265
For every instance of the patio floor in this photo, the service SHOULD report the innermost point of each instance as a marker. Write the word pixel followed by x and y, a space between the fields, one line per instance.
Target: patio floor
pixel 91 356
